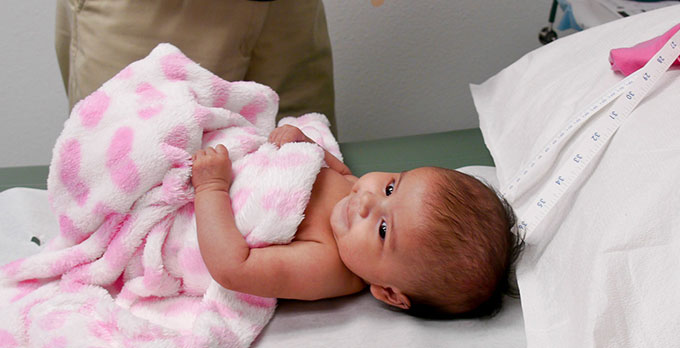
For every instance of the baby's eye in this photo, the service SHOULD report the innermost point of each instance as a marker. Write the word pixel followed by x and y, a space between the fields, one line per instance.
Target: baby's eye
pixel 382 230
pixel 389 188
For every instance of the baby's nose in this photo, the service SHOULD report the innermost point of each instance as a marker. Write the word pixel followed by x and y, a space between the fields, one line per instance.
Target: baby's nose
pixel 365 203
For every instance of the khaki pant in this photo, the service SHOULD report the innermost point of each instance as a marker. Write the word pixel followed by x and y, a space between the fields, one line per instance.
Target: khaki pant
pixel 283 44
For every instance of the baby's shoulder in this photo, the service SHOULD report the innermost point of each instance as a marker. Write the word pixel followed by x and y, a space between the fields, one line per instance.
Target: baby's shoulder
pixel 331 183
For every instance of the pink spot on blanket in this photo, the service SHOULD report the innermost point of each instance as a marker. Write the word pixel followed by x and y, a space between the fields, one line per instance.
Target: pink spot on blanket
pixel 102 236
pixel 89 306
pixel 104 329
pixel 69 168
pixel 118 252
pixel 121 167
pixel 190 259
pixel 127 296
pixel 259 159
pixel 286 160
pixel 224 310
pixel 92 108
pixel 211 136
pixel 178 137
pixel 149 99
pixel 220 91
pixel 202 115
pixel 53 320
pixel 252 109
pixel 7 340
pixel 71 285
pixel 116 287
pixel 25 311
pixel 250 130
pixel 225 337
pixel 313 133
pixel 239 199
pixel 125 74
pixel 57 342
pixel 290 160
pixel 174 66
pixel 185 340
pixel 150 111
pixel 70 231
pixel 11 269
pixel 176 156
pixel 174 190
pixel 181 305
pixel 285 203
pixel 248 143
pixel 71 259
pixel 101 209
pixel 257 301
pixel 237 168
pixel 26 287
pixel 148 335
pixel 186 210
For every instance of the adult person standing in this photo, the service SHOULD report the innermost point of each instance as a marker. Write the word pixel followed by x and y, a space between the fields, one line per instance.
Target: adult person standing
pixel 283 44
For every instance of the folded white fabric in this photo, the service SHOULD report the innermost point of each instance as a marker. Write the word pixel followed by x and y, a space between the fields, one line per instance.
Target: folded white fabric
pixel 602 268
pixel 125 268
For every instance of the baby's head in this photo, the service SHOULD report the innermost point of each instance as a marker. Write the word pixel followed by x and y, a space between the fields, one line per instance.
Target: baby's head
pixel 432 241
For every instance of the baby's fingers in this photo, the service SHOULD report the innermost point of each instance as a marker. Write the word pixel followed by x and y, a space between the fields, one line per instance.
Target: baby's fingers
pixel 272 136
pixel 275 138
pixel 222 150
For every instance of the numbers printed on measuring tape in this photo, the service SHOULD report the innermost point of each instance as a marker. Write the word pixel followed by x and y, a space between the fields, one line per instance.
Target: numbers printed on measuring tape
pixel 522 225
pixel 594 135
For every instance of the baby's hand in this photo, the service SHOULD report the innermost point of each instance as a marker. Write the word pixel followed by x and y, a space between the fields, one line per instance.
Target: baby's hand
pixel 287 134
pixel 211 169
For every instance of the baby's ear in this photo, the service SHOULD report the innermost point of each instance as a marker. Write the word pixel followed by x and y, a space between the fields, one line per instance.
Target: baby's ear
pixel 391 296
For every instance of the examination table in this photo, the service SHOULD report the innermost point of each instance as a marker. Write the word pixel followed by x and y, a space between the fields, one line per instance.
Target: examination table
pixel 351 321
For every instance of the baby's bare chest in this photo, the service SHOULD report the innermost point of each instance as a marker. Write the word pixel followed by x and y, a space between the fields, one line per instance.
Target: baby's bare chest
pixel 329 188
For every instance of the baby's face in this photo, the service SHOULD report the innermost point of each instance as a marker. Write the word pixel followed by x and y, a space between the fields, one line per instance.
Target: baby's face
pixel 376 225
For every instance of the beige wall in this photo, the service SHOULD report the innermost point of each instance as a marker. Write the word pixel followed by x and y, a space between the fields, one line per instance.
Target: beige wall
pixel 402 68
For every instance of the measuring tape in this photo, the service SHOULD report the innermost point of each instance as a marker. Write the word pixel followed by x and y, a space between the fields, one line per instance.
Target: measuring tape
pixel 594 137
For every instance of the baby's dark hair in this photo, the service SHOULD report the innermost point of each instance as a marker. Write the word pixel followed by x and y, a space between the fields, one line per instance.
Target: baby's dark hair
pixel 470 250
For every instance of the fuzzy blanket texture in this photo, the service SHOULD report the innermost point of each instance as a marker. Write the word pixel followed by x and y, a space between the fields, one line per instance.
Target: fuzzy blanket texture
pixel 125 269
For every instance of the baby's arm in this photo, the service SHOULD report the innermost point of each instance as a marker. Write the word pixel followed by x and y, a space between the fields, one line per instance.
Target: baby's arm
pixel 288 134
pixel 305 270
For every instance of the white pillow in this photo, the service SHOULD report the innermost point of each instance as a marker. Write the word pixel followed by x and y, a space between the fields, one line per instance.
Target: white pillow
pixel 603 268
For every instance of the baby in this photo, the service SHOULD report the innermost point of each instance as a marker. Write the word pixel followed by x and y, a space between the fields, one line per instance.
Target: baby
pixel 430 241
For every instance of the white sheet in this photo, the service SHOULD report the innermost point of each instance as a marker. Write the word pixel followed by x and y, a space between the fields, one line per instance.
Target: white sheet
pixel 602 270
pixel 352 321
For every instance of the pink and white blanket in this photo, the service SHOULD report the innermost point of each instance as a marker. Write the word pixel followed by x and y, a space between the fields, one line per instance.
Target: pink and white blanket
pixel 125 269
